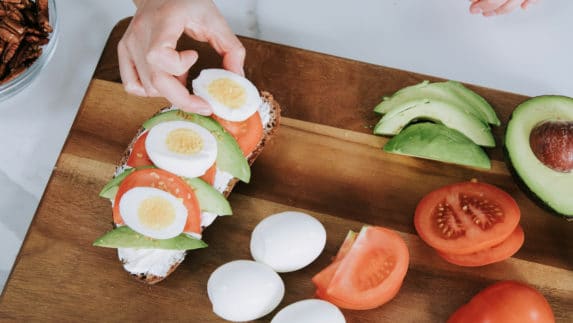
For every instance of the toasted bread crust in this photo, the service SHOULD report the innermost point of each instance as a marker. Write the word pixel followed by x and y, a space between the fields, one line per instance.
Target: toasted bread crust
pixel 268 132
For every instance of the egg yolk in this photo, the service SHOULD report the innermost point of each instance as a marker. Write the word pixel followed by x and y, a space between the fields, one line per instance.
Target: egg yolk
pixel 228 92
pixel 184 141
pixel 156 213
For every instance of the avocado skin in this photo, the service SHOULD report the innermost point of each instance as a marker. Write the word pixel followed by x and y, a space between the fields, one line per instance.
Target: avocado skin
pixel 124 237
pixel 530 193
pixel 438 142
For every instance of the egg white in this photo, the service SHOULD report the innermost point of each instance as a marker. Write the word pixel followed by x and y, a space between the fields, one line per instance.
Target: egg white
pixel 244 290
pixel 241 113
pixel 193 165
pixel 309 311
pixel 131 201
pixel 288 241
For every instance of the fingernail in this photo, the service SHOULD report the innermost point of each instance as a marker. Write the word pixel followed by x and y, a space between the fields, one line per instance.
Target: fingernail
pixel 475 10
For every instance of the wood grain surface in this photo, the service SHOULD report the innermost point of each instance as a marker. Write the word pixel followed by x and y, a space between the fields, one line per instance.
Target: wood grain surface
pixel 323 161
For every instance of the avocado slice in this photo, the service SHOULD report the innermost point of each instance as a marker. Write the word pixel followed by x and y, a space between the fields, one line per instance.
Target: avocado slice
pixel 210 200
pixel 110 189
pixel 553 188
pixel 438 142
pixel 124 237
pixel 450 92
pixel 230 157
pixel 447 114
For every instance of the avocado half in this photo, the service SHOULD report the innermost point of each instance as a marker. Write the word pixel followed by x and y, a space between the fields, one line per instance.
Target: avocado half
pixel 554 189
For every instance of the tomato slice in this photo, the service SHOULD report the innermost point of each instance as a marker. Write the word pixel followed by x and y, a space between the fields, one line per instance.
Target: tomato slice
pixel 466 217
pixel 209 175
pixel 139 156
pixel 168 182
pixel 505 301
pixel 372 271
pixel 500 252
pixel 248 133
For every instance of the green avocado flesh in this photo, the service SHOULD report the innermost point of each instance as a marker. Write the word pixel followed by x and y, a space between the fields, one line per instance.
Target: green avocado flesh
pixel 450 92
pixel 438 142
pixel 229 157
pixel 553 188
pixel 447 114
pixel 210 200
pixel 124 237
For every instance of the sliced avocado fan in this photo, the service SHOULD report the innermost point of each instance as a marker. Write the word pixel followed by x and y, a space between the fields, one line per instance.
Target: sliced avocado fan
pixel 447 114
pixel 438 142
pixel 450 92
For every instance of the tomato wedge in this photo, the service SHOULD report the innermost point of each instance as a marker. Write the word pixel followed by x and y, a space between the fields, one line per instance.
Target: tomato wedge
pixel 248 133
pixel 370 274
pixel 323 278
pixel 466 217
pixel 505 301
pixel 168 182
pixel 500 252
pixel 139 156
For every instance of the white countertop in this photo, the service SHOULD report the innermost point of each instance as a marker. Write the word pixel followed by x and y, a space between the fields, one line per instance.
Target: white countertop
pixel 527 52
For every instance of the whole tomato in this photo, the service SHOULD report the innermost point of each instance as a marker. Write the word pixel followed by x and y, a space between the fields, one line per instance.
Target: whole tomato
pixel 507 302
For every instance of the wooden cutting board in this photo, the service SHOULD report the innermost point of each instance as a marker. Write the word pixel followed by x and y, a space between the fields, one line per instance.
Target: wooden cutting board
pixel 324 161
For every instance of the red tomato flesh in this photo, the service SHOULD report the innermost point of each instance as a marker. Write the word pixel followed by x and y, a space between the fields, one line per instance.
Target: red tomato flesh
pixel 323 278
pixel 138 156
pixel 466 217
pixel 507 302
pixel 248 133
pixel 168 182
pixel 500 252
pixel 370 274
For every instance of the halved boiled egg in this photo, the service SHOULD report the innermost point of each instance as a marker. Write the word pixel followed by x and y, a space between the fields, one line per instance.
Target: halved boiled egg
pixel 232 97
pixel 181 147
pixel 153 212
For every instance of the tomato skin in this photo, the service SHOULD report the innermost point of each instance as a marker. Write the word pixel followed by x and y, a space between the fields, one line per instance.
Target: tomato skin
pixel 497 253
pixel 502 216
pixel 166 181
pixel 248 133
pixel 138 156
pixel 370 274
pixel 507 302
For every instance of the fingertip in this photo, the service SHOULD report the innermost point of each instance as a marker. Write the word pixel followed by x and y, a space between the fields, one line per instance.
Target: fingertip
pixel 189 57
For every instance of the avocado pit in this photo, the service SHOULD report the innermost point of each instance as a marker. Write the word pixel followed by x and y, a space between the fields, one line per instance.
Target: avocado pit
pixel 552 144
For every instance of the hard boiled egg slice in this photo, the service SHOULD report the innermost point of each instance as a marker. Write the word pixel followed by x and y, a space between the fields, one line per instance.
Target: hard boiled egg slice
pixel 181 147
pixel 153 212
pixel 232 97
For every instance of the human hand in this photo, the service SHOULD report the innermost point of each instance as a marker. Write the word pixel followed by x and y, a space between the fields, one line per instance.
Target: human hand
pixel 149 63
pixel 497 7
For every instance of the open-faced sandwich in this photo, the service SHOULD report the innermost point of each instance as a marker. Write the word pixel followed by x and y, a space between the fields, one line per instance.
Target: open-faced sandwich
pixel 174 177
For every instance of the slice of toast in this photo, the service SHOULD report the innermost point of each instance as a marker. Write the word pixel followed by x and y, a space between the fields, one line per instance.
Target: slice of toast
pixel 270 112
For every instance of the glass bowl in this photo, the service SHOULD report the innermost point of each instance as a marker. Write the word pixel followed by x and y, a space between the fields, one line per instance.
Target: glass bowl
pixel 21 81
